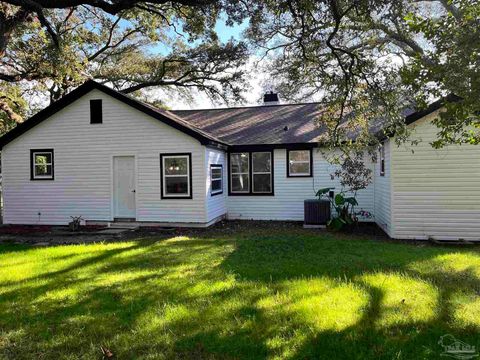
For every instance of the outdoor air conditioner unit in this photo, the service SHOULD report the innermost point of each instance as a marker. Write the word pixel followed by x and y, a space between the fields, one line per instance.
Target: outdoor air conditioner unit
pixel 316 213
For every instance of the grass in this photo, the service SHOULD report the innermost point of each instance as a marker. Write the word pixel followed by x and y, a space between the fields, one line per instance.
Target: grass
pixel 262 293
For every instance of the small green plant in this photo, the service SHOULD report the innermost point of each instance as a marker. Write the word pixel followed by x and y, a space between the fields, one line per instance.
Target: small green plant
pixel 74 225
pixel 344 207
pixel 353 176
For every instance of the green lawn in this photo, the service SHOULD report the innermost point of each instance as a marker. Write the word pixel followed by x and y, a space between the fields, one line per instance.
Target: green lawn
pixel 264 293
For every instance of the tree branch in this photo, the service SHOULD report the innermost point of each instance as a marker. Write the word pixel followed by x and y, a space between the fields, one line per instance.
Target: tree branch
pixel 113 7
pixel 8 24
pixel 12 115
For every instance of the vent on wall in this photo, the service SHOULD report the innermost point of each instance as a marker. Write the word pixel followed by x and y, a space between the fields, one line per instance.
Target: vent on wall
pixel 96 116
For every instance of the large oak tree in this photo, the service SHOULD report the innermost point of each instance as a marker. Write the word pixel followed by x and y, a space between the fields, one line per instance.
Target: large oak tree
pixel 368 60
pixel 55 45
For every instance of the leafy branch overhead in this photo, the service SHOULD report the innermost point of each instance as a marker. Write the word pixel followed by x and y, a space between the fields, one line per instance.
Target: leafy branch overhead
pixel 16 12
pixel 215 69
pixel 114 45
pixel 370 61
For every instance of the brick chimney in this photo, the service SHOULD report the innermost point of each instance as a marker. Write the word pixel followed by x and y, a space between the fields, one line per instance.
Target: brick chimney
pixel 271 98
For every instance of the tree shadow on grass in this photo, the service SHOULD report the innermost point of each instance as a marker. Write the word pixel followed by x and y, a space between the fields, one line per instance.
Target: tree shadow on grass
pixel 253 296
pixel 107 297
pixel 387 327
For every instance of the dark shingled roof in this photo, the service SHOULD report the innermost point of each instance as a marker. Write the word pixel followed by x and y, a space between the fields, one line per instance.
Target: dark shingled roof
pixel 255 125
pixel 273 124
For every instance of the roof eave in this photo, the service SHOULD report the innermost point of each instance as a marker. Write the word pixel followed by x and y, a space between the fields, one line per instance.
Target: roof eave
pixel 436 105
pixel 84 89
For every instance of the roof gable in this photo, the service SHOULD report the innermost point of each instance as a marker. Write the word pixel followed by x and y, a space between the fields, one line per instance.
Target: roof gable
pixel 161 115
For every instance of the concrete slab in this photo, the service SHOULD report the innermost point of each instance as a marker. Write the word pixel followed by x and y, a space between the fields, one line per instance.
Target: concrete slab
pixel 126 225
pixel 113 231
pixel 306 226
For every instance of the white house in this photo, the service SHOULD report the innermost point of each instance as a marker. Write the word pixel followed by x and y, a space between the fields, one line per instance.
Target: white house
pixel 105 156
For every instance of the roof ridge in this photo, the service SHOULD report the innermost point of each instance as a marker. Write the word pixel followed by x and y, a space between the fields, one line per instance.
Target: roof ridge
pixel 248 107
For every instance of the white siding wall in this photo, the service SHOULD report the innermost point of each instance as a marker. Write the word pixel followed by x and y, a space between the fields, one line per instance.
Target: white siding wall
pixel 382 185
pixel 436 193
pixel 83 166
pixel 287 203
pixel 217 204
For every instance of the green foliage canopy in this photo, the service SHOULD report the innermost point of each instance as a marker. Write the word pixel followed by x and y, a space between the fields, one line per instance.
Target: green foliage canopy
pixel 369 60
pixel 169 46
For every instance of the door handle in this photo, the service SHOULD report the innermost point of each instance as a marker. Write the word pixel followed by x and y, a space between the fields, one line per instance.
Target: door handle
pixel 133 190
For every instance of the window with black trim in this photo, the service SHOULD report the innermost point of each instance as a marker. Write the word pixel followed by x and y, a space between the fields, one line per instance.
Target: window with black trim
pixel 251 173
pixel 382 160
pixel 176 176
pixel 216 179
pixel 240 173
pixel 299 163
pixel 41 164
pixel 262 172
pixel 96 113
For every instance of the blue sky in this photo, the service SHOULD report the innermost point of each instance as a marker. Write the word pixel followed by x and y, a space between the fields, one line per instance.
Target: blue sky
pixel 226 32
pixel 200 100
pixel 223 31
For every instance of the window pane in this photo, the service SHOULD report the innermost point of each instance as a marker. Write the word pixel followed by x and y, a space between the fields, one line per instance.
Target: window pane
pixel 42 170
pixel 261 162
pixel 299 155
pixel 299 168
pixel 240 183
pixel 176 185
pixel 239 163
pixel 176 165
pixel 43 158
pixel 261 183
pixel 216 185
pixel 216 173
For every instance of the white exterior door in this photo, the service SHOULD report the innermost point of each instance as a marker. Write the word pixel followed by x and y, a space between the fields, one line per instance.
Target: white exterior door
pixel 124 187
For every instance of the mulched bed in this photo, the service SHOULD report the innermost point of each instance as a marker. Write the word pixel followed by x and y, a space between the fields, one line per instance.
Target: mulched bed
pixel 43 235
pixel 42 229
pixel 232 226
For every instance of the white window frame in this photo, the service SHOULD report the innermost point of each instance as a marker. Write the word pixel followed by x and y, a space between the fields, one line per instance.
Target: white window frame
pixel 382 160
pixel 212 179
pixel 35 153
pixel 239 173
pixel 291 162
pixel 187 195
pixel 262 173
